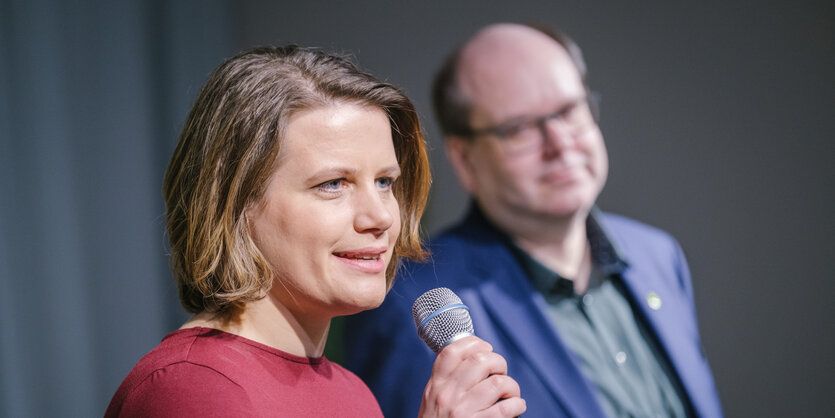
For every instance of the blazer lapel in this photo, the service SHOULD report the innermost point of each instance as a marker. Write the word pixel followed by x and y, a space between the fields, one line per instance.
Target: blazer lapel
pixel 673 322
pixel 519 311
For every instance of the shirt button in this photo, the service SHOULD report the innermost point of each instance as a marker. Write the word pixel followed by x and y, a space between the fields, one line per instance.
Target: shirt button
pixel 588 299
pixel 620 358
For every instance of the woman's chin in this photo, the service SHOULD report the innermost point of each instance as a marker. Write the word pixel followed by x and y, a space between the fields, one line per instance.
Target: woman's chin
pixel 363 302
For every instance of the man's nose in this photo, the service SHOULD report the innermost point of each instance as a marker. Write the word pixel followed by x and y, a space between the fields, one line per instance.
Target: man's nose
pixel 556 133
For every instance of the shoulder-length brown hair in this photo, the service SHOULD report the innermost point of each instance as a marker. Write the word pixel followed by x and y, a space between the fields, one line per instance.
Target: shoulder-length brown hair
pixel 227 152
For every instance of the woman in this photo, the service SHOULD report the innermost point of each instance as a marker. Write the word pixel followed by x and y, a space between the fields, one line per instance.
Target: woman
pixel 297 184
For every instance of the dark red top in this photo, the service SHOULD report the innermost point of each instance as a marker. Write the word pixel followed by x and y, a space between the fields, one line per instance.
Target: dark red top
pixel 210 373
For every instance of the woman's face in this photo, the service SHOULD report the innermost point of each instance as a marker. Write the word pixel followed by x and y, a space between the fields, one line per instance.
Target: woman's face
pixel 328 221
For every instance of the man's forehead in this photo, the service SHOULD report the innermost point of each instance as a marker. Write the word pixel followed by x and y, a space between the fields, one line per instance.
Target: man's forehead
pixel 506 41
pixel 509 65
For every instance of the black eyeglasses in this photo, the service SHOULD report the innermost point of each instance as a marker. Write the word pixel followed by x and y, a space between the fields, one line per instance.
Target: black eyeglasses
pixel 525 134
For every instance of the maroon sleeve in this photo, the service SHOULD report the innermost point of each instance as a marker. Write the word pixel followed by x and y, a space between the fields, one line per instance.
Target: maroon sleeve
pixel 184 389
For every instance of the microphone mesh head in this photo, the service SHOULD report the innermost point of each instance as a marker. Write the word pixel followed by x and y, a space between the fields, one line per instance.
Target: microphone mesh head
pixel 448 324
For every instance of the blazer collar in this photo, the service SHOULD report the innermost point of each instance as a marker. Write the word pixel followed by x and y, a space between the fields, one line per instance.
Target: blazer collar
pixel 507 296
pixel 670 315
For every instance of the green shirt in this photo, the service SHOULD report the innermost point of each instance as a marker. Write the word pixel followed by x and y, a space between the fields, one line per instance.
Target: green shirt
pixel 612 344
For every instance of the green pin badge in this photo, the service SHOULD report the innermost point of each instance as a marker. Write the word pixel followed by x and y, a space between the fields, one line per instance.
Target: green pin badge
pixel 654 301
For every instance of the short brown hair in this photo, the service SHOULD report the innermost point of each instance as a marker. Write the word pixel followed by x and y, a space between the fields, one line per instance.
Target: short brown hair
pixel 227 152
pixel 452 109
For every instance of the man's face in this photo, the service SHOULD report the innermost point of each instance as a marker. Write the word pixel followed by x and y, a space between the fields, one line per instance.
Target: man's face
pixel 514 81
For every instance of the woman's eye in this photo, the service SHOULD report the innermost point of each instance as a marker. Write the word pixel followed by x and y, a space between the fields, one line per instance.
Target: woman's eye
pixel 385 183
pixel 331 185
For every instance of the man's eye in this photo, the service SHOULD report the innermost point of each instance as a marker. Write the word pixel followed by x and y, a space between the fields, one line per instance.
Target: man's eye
pixel 512 130
pixel 570 111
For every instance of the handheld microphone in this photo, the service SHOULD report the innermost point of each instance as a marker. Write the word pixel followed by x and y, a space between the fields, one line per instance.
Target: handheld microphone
pixel 441 318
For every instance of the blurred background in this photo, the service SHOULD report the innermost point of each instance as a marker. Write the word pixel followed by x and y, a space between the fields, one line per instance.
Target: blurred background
pixel 719 118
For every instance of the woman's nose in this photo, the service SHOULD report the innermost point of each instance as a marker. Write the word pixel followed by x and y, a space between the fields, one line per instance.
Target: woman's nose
pixel 374 212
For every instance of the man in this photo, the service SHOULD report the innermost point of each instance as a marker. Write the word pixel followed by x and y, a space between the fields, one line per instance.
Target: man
pixel 593 312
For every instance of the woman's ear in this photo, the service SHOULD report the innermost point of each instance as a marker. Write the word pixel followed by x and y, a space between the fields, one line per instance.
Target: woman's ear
pixel 458 151
pixel 247 218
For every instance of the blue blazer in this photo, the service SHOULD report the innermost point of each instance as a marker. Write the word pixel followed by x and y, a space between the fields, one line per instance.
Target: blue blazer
pixel 382 346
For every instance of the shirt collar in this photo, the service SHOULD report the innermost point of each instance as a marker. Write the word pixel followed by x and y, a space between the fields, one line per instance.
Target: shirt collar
pixel 604 252
pixel 606 259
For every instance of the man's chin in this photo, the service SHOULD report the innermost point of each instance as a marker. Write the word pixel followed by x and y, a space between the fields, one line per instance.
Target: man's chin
pixel 568 209
pixel 570 201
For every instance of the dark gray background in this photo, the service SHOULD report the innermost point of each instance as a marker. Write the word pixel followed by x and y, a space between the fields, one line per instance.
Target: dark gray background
pixel 718 118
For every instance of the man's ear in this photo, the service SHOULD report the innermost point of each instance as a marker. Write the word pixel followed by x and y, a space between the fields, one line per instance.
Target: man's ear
pixel 458 151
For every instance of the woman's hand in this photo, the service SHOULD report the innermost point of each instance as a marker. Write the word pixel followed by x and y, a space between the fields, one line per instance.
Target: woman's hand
pixel 470 380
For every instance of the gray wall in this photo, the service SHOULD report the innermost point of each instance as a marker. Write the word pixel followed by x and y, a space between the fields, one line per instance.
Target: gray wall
pixel 718 117
pixel 92 97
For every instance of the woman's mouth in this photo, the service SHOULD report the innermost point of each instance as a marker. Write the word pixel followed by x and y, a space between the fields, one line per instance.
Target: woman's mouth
pixel 357 256
pixel 366 261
